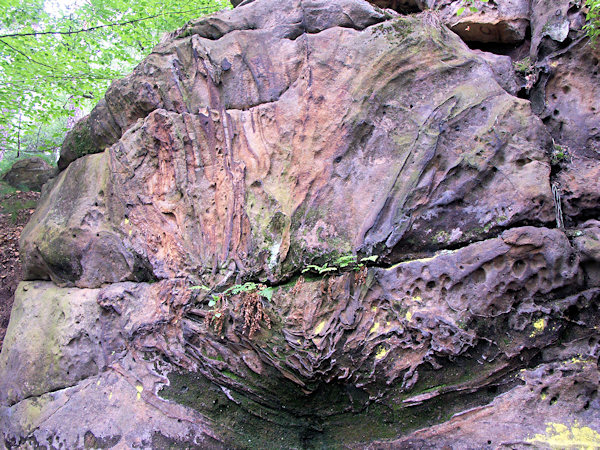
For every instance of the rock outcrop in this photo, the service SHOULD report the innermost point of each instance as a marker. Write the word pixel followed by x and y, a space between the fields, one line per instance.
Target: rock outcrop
pixel 502 22
pixel 29 174
pixel 321 224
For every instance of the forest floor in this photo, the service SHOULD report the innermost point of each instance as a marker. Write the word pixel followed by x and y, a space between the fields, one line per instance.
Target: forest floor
pixel 15 210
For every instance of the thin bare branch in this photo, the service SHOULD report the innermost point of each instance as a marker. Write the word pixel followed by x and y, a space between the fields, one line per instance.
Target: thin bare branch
pixel 110 25
pixel 25 55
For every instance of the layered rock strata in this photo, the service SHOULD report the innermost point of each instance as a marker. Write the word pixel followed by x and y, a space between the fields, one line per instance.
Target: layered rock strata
pixel 315 225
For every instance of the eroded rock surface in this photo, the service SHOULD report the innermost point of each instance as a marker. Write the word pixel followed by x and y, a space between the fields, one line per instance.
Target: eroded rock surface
pixel 502 22
pixel 319 224
pixel 262 150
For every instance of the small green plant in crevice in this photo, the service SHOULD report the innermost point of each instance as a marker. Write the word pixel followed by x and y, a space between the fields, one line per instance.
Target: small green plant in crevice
pixel 470 5
pixel 523 66
pixel 560 154
pixel 252 307
pixel 319 269
pixel 343 262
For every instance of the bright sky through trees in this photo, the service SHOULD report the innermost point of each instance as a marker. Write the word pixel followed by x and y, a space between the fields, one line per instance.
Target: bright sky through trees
pixel 58 8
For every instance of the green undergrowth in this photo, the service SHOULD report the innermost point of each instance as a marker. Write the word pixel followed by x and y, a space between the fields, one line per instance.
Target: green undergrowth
pixel 12 205
pixel 6 189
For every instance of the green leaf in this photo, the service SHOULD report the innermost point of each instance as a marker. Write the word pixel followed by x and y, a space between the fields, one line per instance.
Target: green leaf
pixel 212 303
pixel 311 267
pixel 345 261
pixel 267 293
pixel 460 10
pixel 41 73
pixel 372 258
pixel 203 287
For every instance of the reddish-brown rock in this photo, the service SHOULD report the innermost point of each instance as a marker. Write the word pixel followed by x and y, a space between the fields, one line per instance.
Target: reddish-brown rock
pixel 503 22
pixel 318 224
pixel 270 159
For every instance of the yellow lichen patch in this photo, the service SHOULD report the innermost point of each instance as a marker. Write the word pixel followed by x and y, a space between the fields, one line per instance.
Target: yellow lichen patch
pixel 417 299
pixel 110 395
pixel 381 353
pixel 139 388
pixel 32 413
pixel 374 328
pixel 559 435
pixel 420 260
pixel 320 327
pixel 538 327
pixel 374 308
pixel 126 221
pixel 408 316
pixel 578 360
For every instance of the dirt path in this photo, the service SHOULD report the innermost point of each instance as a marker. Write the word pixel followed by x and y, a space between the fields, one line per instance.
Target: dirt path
pixel 15 211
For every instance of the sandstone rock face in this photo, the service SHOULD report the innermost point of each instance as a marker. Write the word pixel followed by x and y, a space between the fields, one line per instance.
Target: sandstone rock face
pixel 318 224
pixel 501 22
pixel 59 350
pixel 270 158
pixel 571 107
pixel 29 173
pixel 399 5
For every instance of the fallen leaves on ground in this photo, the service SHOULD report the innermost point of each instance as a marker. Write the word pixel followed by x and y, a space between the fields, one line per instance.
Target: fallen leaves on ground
pixel 12 222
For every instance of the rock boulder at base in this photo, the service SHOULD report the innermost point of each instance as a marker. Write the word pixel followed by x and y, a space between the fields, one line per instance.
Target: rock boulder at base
pixel 307 223
pixel 29 174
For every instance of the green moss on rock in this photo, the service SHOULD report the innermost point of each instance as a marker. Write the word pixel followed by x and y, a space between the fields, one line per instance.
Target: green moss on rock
pixel 78 142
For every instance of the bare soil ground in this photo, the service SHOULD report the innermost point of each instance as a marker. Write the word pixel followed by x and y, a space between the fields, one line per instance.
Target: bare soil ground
pixel 15 210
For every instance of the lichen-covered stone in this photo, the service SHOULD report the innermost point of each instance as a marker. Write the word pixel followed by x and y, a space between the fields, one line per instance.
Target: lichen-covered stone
pixel 52 342
pixel 393 196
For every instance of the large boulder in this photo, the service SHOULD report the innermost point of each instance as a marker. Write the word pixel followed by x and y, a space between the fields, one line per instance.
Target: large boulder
pixel 29 174
pixel 61 349
pixel 258 140
pixel 479 23
pixel 306 224
pixel 502 22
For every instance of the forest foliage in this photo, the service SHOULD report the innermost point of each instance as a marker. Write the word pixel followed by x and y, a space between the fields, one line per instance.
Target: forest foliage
pixel 59 56
pixel 592 26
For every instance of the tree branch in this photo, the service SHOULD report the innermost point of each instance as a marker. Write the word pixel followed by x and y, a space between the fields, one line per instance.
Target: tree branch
pixel 110 25
pixel 25 55
pixel 80 76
